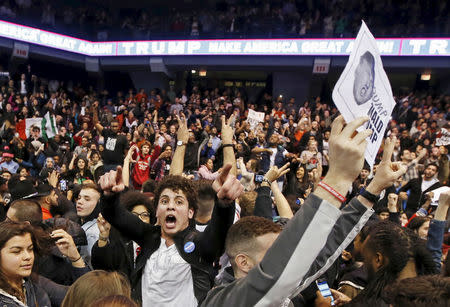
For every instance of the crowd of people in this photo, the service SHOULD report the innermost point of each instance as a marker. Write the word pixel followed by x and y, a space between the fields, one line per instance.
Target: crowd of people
pixel 235 19
pixel 166 198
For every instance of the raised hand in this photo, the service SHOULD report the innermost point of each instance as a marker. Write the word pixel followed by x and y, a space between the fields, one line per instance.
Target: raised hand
pixel 53 178
pixel 347 151
pixel 227 130
pixel 66 245
pixel 226 185
pixel 103 226
pixel 182 133
pixel 387 171
pixel 274 172
pixel 392 202
pixel 130 153
pixel 112 181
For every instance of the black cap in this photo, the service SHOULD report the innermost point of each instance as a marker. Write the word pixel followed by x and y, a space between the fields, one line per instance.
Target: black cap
pixel 44 189
pixel 24 189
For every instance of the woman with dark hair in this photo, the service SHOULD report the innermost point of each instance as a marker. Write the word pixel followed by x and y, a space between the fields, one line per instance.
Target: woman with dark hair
pixel 18 246
pixel 420 226
pixel 206 170
pixel 79 169
pixel 298 183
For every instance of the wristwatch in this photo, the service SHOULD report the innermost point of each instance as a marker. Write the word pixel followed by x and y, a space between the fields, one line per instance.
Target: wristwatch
pixel 180 143
pixel 266 181
pixel 369 196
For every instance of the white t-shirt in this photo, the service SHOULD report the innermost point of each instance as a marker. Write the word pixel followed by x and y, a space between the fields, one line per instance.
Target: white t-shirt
pixel 274 153
pixel 92 235
pixel 167 279
pixel 429 183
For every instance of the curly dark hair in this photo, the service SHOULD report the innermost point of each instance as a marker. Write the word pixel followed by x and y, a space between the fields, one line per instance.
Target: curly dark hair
pixel 178 183
pixel 131 199
pixel 422 291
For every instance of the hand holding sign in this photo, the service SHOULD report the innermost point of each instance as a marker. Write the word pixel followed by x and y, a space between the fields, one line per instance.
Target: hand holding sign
pixel 364 90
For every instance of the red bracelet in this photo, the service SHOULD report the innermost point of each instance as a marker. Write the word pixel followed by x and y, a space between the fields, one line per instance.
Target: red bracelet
pixel 332 191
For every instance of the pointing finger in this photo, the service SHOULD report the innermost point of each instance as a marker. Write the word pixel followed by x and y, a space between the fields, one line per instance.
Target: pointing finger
pixel 337 125
pixel 119 175
pixel 285 172
pixel 225 171
pixel 388 149
pixel 230 120
pixel 284 167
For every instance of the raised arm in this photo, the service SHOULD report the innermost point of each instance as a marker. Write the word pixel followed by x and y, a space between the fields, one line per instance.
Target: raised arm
pixel 263 204
pixel 97 124
pixel 316 235
pixel 126 165
pixel 74 156
pixel 125 222
pixel 437 228
pixel 227 143
pixel 228 189
pixel 387 172
pixel 177 165
pixel 284 210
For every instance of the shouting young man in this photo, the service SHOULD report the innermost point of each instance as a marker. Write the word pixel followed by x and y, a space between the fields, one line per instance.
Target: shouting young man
pixel 175 266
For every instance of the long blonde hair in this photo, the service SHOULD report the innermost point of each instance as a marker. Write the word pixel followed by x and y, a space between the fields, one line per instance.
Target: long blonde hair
pixel 95 285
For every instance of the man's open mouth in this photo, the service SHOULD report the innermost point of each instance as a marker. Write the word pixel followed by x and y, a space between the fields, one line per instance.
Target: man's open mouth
pixel 170 221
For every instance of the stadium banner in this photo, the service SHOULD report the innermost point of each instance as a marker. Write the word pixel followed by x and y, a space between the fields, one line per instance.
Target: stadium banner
pixel 307 47
pixel 363 89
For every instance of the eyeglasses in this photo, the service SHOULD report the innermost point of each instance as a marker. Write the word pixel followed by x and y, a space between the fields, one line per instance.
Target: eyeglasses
pixel 143 215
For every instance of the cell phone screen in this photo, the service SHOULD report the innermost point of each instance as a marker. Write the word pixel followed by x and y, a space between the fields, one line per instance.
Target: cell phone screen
pixel 325 290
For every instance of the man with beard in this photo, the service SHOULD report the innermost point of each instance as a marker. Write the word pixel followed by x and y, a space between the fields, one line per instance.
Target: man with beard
pixel 115 144
pixel 391 253
pixel 47 200
pixel 418 187
pixel 175 264
pixel 274 154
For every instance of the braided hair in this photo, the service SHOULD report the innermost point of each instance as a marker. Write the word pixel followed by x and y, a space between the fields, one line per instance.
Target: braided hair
pixel 399 245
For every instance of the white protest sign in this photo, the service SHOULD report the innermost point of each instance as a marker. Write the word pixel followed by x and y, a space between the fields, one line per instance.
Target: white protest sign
pixel 443 137
pixel 32 122
pixel 254 118
pixel 437 193
pixel 363 89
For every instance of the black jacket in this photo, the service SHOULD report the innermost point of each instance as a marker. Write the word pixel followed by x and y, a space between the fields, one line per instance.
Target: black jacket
pixel 117 255
pixel 55 266
pixel 209 244
pixel 416 197
pixel 35 296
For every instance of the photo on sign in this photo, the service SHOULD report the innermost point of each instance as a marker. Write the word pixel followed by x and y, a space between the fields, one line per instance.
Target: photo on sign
pixel 363 87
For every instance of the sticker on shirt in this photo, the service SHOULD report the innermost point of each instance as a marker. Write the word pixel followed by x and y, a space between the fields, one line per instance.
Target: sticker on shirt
pixel 111 144
pixel 189 247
